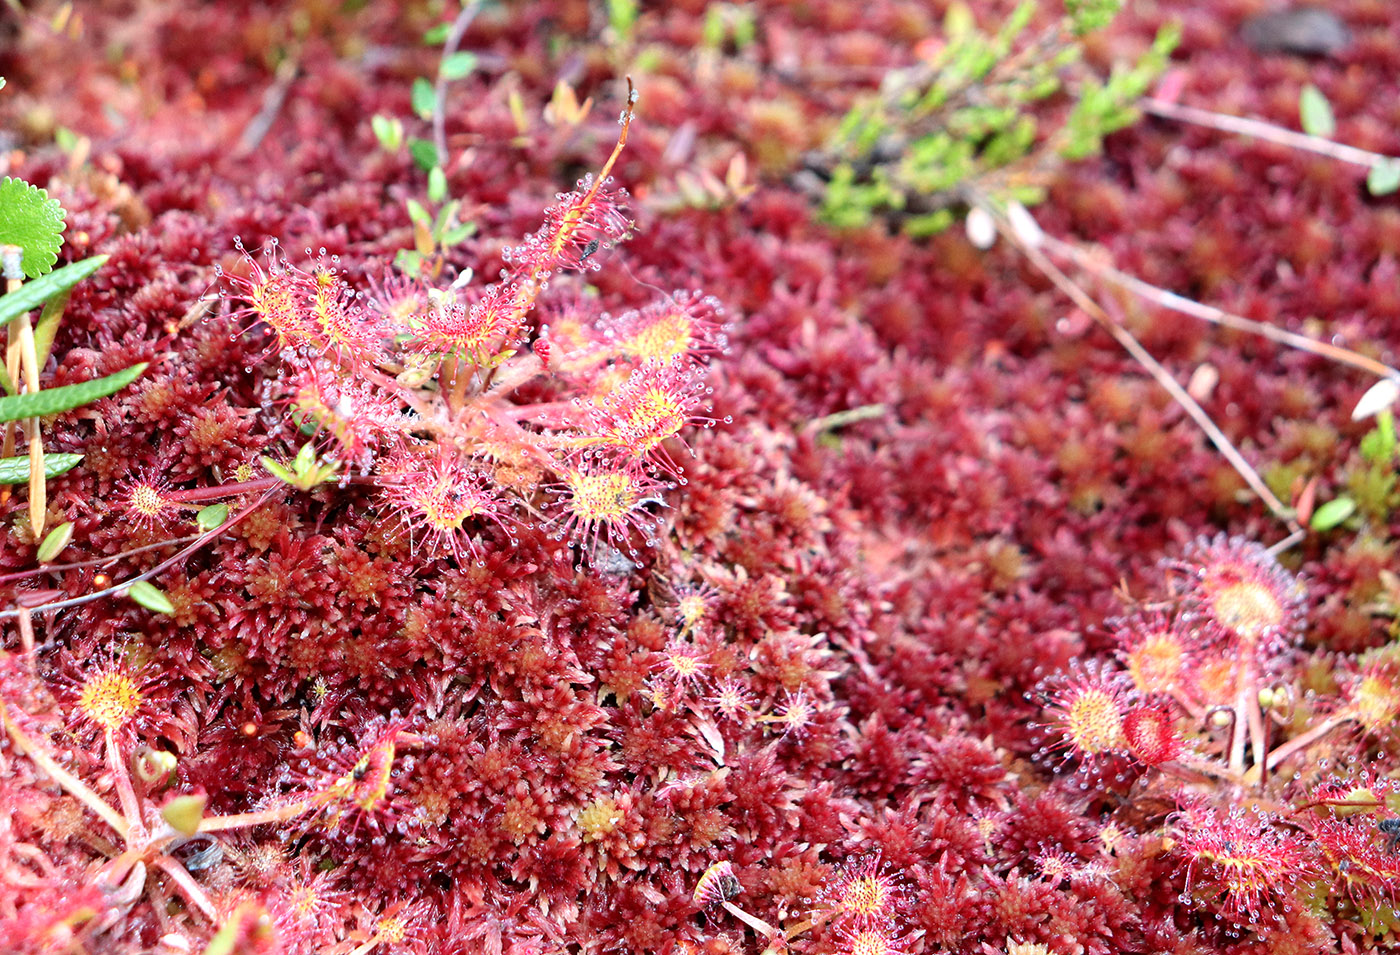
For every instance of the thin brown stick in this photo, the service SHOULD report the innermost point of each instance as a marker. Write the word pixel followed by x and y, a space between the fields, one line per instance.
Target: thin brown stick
pixel 1134 348
pixel 1207 313
pixel 1259 129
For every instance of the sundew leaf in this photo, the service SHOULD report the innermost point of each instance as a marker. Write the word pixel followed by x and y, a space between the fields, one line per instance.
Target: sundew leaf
pixel 55 400
pixel 16 470
pixel 32 221
pixel 31 295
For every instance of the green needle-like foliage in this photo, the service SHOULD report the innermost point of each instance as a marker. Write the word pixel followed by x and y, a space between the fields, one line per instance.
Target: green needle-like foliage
pixel 974 119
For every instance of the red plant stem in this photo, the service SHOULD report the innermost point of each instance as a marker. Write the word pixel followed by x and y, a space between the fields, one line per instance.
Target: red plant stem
pixel 1239 731
pixel 122 780
pixel 191 889
pixel 1304 740
pixel 164 565
pixel 1258 735
pixel 74 786
pixel 262 817
pixel 752 921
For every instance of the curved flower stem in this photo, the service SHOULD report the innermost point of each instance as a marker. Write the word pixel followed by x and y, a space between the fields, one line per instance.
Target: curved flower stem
pixel 449 47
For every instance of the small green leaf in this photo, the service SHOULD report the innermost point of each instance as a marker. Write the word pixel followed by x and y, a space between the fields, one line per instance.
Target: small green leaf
pixel 16 470
pixel 54 542
pixel 305 460
pixel 388 130
pixel 437 184
pixel 150 596
pixel 1384 179
pixel 457 65
pixel 1316 113
pixel 1332 514
pixel 33 294
pixel 55 400
pixel 417 214
pixel 280 471
pixel 424 153
pixel 32 221
pixel 436 36
pixel 211 517
pixel 456 234
pixel 424 98
pixel 184 813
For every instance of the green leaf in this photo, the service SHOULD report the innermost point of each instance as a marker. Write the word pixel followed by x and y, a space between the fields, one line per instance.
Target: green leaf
pixel 436 36
pixel 31 295
pixel 457 65
pixel 54 542
pixel 150 596
pixel 424 153
pixel 42 403
pixel 437 184
pixel 16 470
pixel 32 221
pixel 424 99
pixel 1316 113
pixel 1332 514
pixel 388 130
pixel 184 813
pixel 279 471
pixel 1384 179
pixel 456 234
pixel 417 214
pixel 211 517
pixel 47 326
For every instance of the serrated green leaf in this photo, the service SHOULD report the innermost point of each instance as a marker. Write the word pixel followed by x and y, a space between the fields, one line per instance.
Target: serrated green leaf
pixel 150 596
pixel 32 221
pixel 211 517
pixel 457 65
pixel 424 98
pixel 1384 179
pixel 16 470
pixel 31 295
pixel 55 400
pixel 424 153
pixel 1315 113
pixel 1332 514
pixel 54 542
